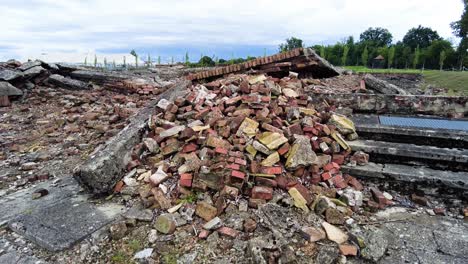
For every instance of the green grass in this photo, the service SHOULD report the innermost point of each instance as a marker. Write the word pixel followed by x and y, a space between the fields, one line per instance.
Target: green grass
pixel 362 69
pixel 455 82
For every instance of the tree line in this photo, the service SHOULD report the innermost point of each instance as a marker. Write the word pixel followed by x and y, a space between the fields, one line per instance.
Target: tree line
pixel 421 47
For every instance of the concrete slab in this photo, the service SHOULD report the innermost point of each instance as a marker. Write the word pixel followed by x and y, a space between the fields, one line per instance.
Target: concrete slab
pixel 411 174
pixel 21 201
pixel 63 224
pixel 410 151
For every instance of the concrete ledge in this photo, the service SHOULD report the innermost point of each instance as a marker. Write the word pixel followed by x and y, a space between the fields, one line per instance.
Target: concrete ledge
pixel 410 151
pixel 410 174
pixel 107 163
pixel 447 106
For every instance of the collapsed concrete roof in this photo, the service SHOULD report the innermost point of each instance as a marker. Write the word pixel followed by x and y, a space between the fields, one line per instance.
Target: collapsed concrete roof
pixel 304 61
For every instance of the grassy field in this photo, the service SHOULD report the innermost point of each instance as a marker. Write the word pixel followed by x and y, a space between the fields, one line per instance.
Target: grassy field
pixel 455 82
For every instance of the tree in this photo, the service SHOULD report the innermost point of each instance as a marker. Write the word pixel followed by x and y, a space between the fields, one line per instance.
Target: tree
pixel 187 60
pixel 206 61
pixel 86 61
pixel 416 57
pixel 105 62
pixel 365 57
pixel 422 36
pixel 95 61
pixel 159 60
pixel 322 52
pixel 442 58
pixel 460 29
pixel 345 55
pixel 376 37
pixel 113 64
pixel 391 56
pixel 125 62
pixel 149 60
pixel 134 54
pixel 291 43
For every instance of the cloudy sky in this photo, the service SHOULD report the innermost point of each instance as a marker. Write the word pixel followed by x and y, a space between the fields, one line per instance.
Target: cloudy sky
pixel 70 30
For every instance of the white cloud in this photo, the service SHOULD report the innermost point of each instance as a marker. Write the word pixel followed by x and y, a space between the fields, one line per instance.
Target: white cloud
pixel 34 27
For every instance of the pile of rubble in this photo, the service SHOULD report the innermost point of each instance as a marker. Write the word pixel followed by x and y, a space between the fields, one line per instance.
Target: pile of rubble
pixel 246 141
pixel 17 78
pixel 53 129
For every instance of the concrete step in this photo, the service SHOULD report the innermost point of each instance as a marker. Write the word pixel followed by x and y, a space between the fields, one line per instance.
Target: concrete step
pixel 411 174
pixel 403 153
pixel 58 220
pixel 369 127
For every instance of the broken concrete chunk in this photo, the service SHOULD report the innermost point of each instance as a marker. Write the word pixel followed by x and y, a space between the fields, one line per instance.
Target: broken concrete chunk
pixel 299 200
pixel 151 145
pixel 334 233
pixel 9 75
pixel 272 140
pixel 6 89
pixel 165 224
pixel 344 125
pixel 213 224
pixel 301 153
pixel 163 104
pixel 337 136
pixel 260 147
pixel 171 131
pixel 313 234
pixel 257 79
pixel 67 83
pixel 206 211
pixel 382 86
pixel 271 160
pixel 248 128
pixel 290 93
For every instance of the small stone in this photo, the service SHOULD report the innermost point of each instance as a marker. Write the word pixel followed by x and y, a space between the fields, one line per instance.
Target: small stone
pixel 28 166
pixel 139 214
pixel 39 193
pixel 213 224
pixel 335 217
pixel 165 224
pixel 387 196
pixel 153 236
pixel 334 233
pixel 348 250
pixel 206 211
pixel 151 145
pixel 144 254
pixel 421 200
pixel 250 225
pixel 158 177
pixel 312 234
pixel 118 230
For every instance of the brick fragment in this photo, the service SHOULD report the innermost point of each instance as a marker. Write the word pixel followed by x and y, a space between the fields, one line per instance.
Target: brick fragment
pixel 262 192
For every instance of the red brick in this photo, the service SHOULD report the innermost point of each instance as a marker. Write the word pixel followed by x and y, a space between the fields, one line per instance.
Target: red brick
pixel 233 166
pixel 338 159
pixel 272 170
pixel 186 180
pixel 282 182
pixel 339 182
pixel 326 176
pixel 240 161
pixel 328 167
pixel 221 150
pixel 203 234
pixel 189 148
pixel 348 250
pixel 238 174
pixel 379 197
pixel 266 182
pixel 261 192
pixel 227 231
pixel 284 149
